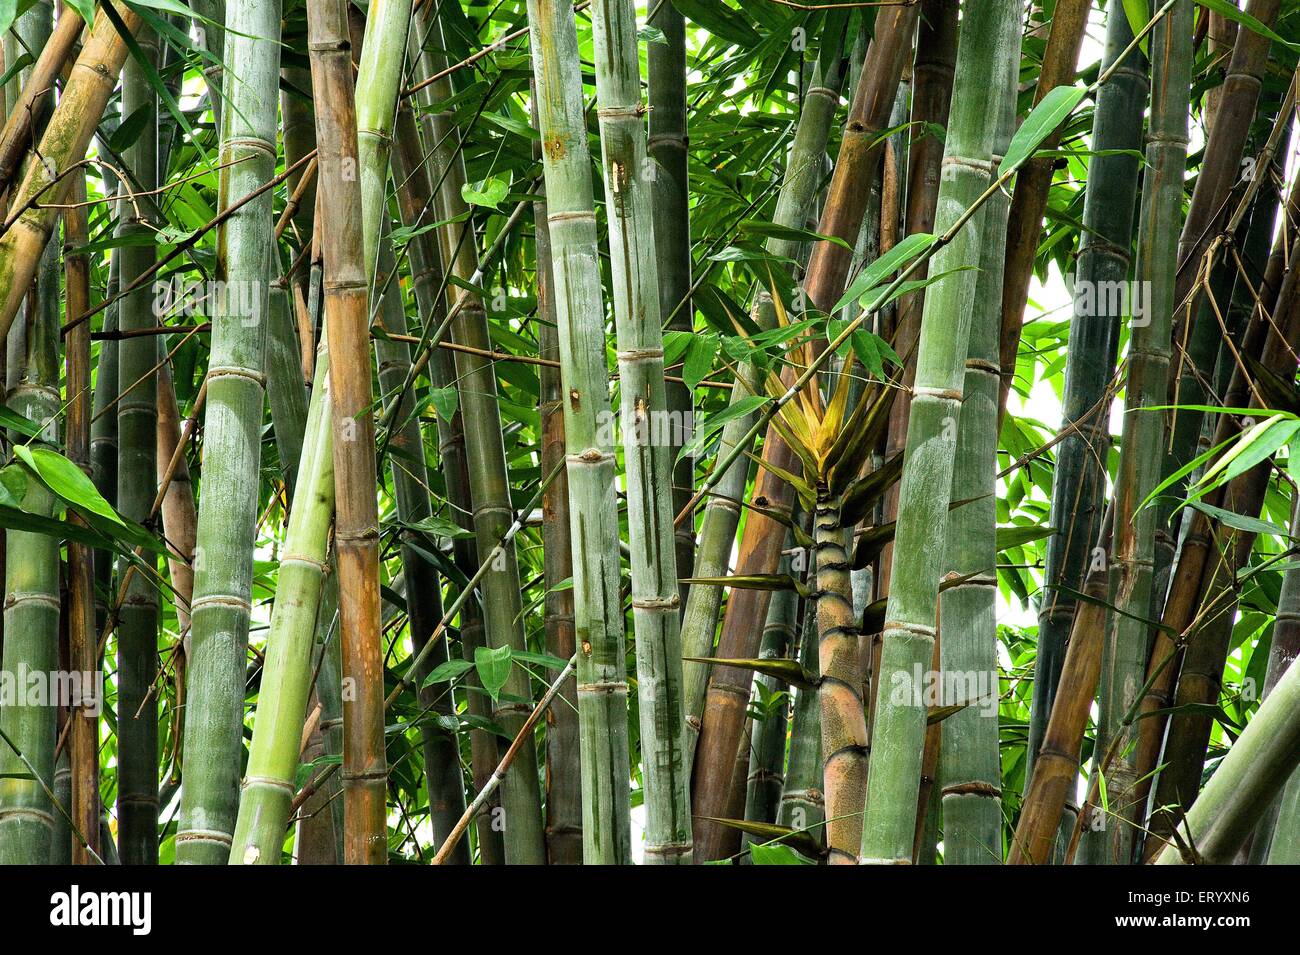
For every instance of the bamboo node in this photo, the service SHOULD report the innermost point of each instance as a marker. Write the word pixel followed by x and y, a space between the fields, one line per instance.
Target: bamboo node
pixel 26 596
pixel 205 835
pixel 234 371
pixel 976 787
pixel 657 603
pixel 219 601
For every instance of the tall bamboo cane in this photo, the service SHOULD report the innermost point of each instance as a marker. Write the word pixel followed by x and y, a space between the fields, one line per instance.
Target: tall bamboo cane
pixel 563 769
pixel 223 573
pixel 989 36
pixel 268 785
pixel 802 805
pixel 580 315
pixel 83 652
pixel 1124 660
pixel 32 610
pixel 356 522
pixel 767 743
pixel 970 771
pixel 137 415
pixel 1078 487
pixel 647 451
pixel 64 142
pixel 670 197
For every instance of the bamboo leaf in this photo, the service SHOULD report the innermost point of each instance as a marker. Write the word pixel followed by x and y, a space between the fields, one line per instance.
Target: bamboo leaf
pixel 493 666
pixel 1040 124
pixel 874 274
pixel 797 839
pixel 787 671
pixel 447 671
pixel 66 480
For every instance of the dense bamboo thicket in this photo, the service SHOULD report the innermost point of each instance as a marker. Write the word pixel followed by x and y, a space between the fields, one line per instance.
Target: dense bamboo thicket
pixel 658 433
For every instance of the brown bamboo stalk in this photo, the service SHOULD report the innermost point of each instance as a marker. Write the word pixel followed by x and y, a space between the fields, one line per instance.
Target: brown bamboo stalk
pixel 356 532
pixel 860 151
pixel 82 649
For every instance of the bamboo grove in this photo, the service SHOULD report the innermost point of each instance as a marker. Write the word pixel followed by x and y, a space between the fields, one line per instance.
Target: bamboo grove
pixel 671 432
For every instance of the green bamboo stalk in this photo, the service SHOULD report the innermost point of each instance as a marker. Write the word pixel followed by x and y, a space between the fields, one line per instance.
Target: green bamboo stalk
pixel 32 607
pixel 414 203
pixel 593 514
pixel 66 137
pixel 1078 486
pixel 345 283
pixel 802 178
pixel 228 506
pixel 563 767
pixel 644 421
pixel 989 36
pixel 1252 774
pixel 488 474
pixel 268 787
pixel 137 416
pixel 670 199
pixel 1125 654
pixel 970 771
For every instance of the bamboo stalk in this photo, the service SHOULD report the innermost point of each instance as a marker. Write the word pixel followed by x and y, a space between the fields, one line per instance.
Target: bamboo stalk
pixel 1056 769
pixel 32 605
pixel 356 529
pixel 563 742
pixel 766 777
pixel 1252 774
pixel 137 414
pixel 71 126
pixel 969 765
pixel 223 572
pixel 839 692
pixel 269 782
pixel 990 35
pixel 1078 486
pixel 802 805
pixel 598 614
pixel 647 453
pixel 83 652
pixel 1124 659
pixel 670 206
